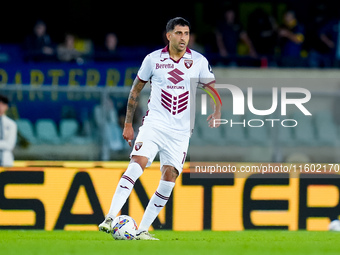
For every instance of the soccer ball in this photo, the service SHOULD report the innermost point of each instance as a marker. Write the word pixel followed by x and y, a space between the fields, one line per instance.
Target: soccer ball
pixel 334 225
pixel 123 228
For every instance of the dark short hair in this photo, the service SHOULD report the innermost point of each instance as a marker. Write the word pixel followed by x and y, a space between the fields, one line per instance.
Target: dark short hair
pixel 4 99
pixel 39 22
pixel 177 21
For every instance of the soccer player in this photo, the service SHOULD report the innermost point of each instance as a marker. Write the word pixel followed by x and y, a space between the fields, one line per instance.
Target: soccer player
pixel 166 126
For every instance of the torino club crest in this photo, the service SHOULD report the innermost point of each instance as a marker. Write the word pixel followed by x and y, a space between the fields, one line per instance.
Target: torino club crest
pixel 138 145
pixel 188 63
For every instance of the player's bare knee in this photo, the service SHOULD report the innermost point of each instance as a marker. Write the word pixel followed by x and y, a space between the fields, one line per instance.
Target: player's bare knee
pixel 169 173
pixel 141 160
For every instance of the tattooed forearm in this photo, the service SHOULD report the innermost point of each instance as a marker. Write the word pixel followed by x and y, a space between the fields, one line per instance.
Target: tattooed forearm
pixel 137 87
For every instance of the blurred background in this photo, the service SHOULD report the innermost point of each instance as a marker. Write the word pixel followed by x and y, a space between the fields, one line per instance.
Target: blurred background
pixel 282 33
pixel 67 68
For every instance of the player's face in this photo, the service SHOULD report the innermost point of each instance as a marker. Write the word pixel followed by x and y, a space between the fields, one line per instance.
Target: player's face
pixel 3 108
pixel 179 38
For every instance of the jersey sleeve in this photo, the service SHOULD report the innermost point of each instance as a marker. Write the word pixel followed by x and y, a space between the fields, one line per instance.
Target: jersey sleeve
pixel 145 71
pixel 206 71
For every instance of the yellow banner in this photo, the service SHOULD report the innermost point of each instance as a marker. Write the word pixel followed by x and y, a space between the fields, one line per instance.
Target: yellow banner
pixel 76 196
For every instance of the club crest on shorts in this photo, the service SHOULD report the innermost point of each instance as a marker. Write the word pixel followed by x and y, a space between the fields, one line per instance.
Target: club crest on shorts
pixel 138 145
pixel 188 63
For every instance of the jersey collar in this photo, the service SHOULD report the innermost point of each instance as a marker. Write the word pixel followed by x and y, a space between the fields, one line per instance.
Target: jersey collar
pixel 165 54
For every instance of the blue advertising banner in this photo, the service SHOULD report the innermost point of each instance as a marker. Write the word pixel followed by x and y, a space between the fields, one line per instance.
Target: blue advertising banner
pixel 61 74
pixel 55 105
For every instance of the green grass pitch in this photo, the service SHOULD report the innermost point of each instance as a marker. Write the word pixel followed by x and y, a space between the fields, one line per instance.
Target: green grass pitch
pixel 172 242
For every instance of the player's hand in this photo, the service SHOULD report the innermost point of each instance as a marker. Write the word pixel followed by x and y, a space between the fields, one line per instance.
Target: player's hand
pixel 211 119
pixel 224 53
pixel 128 133
pixel 284 32
pixel 253 53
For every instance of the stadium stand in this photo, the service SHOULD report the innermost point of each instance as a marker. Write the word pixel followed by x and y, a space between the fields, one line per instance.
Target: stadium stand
pixel 305 130
pixel 47 131
pixel 326 130
pixel 234 135
pixel 26 129
pixel 68 129
pixel 257 135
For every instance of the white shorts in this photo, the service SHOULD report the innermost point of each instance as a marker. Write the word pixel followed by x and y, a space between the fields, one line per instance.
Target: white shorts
pixel 172 147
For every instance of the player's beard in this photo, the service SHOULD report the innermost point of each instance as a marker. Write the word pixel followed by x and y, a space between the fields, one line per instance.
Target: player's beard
pixel 180 48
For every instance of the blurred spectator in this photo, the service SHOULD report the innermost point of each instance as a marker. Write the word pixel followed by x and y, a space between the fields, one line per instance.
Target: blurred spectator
pixel 329 35
pixel 228 35
pixel 109 51
pixel 107 115
pixel 262 32
pixel 8 134
pixel 38 46
pixel 292 36
pixel 67 52
pixel 319 53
